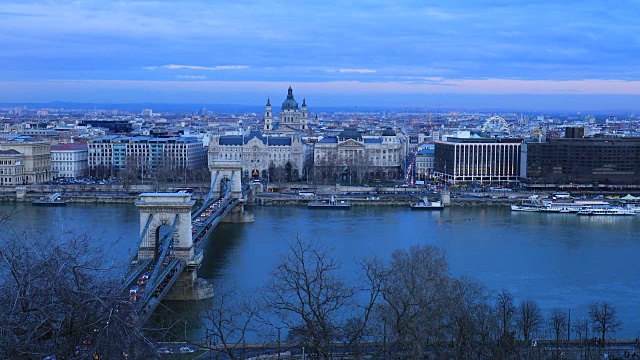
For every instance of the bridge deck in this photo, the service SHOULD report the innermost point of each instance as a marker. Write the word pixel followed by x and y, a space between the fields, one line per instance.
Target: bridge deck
pixel 149 280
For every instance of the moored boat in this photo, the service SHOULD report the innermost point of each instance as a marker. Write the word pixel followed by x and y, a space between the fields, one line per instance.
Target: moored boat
pixel 333 203
pixel 607 211
pixel 425 204
pixel 51 200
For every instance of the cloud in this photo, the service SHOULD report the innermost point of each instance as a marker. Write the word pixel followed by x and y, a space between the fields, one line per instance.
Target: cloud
pixel 415 42
pixel 196 67
pixel 357 71
pixel 192 77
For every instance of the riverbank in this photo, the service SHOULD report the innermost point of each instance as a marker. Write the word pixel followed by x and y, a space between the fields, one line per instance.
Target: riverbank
pixel 391 201
pixel 357 196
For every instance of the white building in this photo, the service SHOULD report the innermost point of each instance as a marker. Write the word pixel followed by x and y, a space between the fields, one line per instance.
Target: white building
pixel 257 152
pixel 69 160
pixel 424 162
pixel 358 157
pixel 478 160
pixel 36 158
pixel 151 156
pixel 11 168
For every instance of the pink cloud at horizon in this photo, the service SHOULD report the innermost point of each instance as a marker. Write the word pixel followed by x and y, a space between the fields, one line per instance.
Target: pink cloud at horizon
pixel 464 86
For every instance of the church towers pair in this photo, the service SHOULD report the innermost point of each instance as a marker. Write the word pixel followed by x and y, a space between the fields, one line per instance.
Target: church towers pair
pixel 292 119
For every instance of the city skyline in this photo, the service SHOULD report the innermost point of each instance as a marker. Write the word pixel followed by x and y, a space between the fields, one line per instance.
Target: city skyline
pixel 572 55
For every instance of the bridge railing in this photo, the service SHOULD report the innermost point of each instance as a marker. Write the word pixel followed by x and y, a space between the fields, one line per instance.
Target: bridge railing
pixel 154 283
pixel 133 275
pixel 214 220
pixel 146 307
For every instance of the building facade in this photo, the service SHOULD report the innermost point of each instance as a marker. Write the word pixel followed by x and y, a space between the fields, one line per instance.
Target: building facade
pixel 292 119
pixel 69 160
pixel 351 156
pixel 11 168
pixel 424 163
pixel 149 156
pixel 478 160
pixel 583 160
pixel 257 152
pixel 36 158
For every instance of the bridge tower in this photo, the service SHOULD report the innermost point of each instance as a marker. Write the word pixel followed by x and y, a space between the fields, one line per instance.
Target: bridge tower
pixel 225 174
pixel 158 212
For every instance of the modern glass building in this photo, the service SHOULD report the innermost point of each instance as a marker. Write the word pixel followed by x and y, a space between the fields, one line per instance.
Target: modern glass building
pixel 583 160
pixel 478 160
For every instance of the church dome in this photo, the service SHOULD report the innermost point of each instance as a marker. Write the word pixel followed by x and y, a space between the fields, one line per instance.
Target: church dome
pixel 350 134
pixel 290 103
pixel 388 132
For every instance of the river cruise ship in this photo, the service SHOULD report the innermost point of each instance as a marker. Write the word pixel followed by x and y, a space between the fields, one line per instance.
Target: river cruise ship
pixel 607 211
pixel 535 204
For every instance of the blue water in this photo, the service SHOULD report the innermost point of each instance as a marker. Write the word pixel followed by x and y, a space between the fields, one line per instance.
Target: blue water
pixel 560 260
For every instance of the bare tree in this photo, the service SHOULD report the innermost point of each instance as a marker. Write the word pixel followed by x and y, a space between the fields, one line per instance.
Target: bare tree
pixel 558 322
pixel 277 174
pixel 229 319
pixel 470 321
pixel 361 165
pixel 580 328
pixel 505 311
pixel 414 293
pixel 604 319
pixel 59 299
pixel 529 318
pixel 129 175
pixel 307 296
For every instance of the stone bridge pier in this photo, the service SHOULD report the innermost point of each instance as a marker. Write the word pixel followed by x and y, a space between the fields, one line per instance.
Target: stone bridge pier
pixel 163 209
pixel 225 174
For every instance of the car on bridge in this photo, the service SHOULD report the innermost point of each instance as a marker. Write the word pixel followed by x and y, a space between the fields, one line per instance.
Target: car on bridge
pixel 135 293
pixel 143 278
pixel 186 350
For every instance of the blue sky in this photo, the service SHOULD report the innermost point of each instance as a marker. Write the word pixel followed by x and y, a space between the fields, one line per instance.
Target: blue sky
pixel 452 53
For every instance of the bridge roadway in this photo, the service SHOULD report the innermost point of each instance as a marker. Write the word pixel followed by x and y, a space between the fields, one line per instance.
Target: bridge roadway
pixel 148 280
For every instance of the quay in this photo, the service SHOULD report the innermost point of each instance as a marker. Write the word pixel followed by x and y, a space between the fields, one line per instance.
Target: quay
pixel 356 195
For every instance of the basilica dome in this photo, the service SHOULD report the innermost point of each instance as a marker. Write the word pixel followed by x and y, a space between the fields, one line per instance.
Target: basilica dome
pixel 290 103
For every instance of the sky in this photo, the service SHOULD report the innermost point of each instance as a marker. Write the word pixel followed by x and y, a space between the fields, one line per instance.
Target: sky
pixel 534 55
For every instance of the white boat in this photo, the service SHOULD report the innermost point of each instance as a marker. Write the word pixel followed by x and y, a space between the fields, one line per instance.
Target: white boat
pixel 607 211
pixel 425 204
pixel 633 207
pixel 51 200
pixel 526 207
pixel 531 204
pixel 331 204
pixel 572 206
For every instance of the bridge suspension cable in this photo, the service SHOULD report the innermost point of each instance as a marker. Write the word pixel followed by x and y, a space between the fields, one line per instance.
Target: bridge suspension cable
pixel 165 248
pixel 142 236
pixel 207 199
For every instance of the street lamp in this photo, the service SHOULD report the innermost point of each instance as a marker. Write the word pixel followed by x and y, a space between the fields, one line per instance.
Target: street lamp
pixel 586 336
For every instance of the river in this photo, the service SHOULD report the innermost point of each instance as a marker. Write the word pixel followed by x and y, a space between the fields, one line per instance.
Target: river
pixel 560 260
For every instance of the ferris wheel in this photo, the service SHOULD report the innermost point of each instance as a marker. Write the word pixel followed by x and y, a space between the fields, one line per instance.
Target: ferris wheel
pixel 496 123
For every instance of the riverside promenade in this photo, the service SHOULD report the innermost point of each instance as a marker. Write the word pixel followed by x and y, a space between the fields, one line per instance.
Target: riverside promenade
pixel 287 194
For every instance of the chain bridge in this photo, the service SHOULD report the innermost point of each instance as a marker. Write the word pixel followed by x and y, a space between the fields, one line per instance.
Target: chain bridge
pixel 172 232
